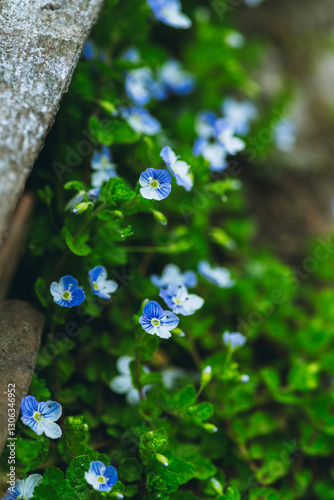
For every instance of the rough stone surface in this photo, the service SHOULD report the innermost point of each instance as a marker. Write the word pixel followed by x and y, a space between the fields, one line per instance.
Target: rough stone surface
pixel 40 43
pixel 20 334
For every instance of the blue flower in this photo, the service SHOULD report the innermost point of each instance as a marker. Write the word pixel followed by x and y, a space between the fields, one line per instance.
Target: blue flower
pixel 155 184
pixel 99 283
pixel 240 114
pixel 285 135
pixel 156 321
pixel 178 299
pixel 244 379
pixel 225 136
pixel 219 276
pixel 122 384
pixel 138 85
pixel 180 169
pixel 214 153
pixel 41 417
pixel 172 274
pixel 24 489
pixel 104 168
pixel 67 293
pixel 99 476
pixel 140 120
pixel 169 12
pixel 131 54
pixel 175 78
pixel 94 194
pixel 205 124
pixel 234 339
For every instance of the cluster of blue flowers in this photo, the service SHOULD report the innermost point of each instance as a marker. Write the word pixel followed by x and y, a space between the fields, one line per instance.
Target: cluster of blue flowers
pixel 41 418
pixel 217 136
pixel 67 292
pixel 174 286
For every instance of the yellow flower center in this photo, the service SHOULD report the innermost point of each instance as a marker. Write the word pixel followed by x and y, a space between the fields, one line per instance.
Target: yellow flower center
pixel 154 184
pixel 67 295
pixel 155 322
pixel 38 416
pixel 100 479
pixel 95 285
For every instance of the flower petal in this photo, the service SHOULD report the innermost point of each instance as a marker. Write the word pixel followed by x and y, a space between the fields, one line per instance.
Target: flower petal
pixel 50 410
pixel 51 429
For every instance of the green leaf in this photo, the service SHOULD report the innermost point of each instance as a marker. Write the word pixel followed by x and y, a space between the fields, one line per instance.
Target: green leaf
pixel 184 470
pixel 271 378
pixel 201 412
pixel 76 235
pixel 79 186
pixel 76 474
pixel 117 192
pixel 231 494
pixel 161 481
pixel 75 437
pixel 38 389
pixel 182 398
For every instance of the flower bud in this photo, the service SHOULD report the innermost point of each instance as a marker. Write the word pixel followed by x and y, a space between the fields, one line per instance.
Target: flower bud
pixel 206 375
pixel 163 460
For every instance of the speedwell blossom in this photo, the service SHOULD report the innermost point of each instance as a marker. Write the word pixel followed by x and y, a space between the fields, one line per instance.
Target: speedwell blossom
pixel 225 131
pixel 214 153
pixel 41 417
pixel 67 292
pixel 156 321
pixel 175 78
pixel 178 299
pixel 205 124
pixel 140 120
pixel 179 168
pixel 103 167
pixel 24 489
pixel 169 12
pixel 234 339
pixel 122 384
pixel 155 184
pixel 141 86
pixel 219 276
pixel 99 283
pixel 173 274
pixel 99 476
pixel 240 114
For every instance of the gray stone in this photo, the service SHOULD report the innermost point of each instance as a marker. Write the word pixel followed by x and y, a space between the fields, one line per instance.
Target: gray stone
pixel 20 334
pixel 40 43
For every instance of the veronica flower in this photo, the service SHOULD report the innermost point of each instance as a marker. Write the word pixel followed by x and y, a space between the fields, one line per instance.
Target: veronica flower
pixel 173 274
pixel 122 384
pixel 240 114
pixel 234 339
pixel 140 120
pixel 24 489
pixel 214 153
pixel 41 417
pixel 155 184
pixel 94 194
pixel 131 54
pixel 219 276
pixel 103 166
pixel 99 476
pixel 205 124
pixel 138 85
pixel 180 169
pixel 156 321
pixel 175 78
pixel 99 283
pixel 169 12
pixel 67 292
pixel 178 299
pixel 225 136
pixel 244 379
pixel 285 135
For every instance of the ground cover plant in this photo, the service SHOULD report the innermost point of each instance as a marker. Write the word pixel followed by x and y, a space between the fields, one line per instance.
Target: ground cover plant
pixel 179 360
